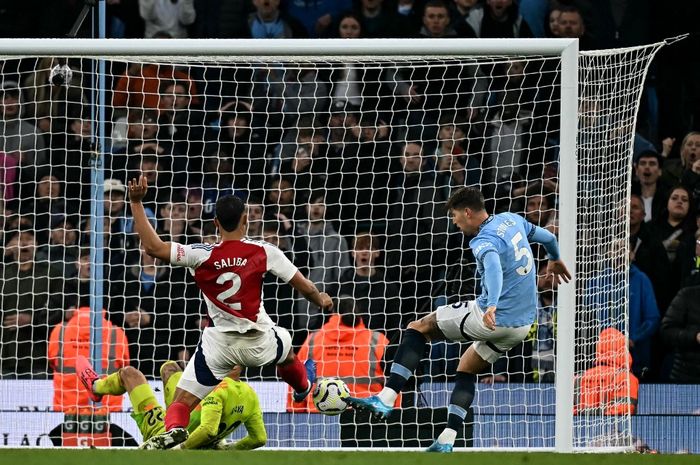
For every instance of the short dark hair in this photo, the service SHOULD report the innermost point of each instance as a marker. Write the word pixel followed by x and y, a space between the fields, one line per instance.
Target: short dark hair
pixel 466 197
pixel 651 154
pixel 229 210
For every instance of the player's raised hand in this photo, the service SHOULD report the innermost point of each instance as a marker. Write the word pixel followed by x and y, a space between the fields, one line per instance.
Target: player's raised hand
pixel 558 269
pixel 490 318
pixel 137 190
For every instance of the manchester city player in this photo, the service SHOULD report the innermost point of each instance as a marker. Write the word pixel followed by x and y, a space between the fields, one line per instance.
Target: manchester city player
pixel 499 319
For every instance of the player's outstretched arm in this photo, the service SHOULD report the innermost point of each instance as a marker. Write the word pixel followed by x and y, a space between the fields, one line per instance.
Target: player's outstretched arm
pixel 555 266
pixel 310 292
pixel 152 244
pixel 208 429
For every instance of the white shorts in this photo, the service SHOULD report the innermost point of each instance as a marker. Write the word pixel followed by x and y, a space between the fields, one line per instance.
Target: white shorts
pixel 218 352
pixel 463 321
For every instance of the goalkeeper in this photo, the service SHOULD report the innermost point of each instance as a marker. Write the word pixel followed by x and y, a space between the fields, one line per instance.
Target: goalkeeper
pixel 219 414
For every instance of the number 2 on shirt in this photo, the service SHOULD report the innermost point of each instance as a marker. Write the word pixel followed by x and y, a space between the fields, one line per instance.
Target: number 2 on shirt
pixel 520 253
pixel 235 287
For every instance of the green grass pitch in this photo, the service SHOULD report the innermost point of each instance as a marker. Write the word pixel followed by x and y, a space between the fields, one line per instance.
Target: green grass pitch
pixel 135 457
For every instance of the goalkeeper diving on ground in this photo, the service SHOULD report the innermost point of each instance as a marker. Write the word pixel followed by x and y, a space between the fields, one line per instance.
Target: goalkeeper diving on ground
pixel 498 320
pixel 231 404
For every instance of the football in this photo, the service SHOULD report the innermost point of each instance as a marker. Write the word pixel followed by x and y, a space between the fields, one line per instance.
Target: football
pixel 329 396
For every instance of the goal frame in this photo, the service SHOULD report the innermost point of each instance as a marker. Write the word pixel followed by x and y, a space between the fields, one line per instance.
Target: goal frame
pixel 566 49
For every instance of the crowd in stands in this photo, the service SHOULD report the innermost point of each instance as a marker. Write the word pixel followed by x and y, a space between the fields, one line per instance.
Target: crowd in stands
pixel 345 168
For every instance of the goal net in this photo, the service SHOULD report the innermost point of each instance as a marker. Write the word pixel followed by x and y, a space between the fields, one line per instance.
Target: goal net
pixel 345 163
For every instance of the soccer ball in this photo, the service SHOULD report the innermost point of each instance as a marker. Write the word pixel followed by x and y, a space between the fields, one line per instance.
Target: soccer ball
pixel 329 396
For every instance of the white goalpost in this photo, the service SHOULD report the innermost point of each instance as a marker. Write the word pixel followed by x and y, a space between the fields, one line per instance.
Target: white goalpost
pixel 345 151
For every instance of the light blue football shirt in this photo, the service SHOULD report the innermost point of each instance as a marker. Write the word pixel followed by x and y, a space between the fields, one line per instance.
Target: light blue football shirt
pixel 508 235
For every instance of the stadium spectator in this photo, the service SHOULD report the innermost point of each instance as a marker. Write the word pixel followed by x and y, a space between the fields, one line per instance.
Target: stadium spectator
pixel 552 23
pixel 349 26
pixel 245 144
pixel 436 21
pixel 47 201
pixel 300 169
pixel 9 173
pixel 498 19
pixel 16 133
pixel 675 168
pixel 256 213
pixel 408 17
pixel 416 222
pixel 171 17
pixel 344 348
pixel 648 253
pixel 182 123
pixel 317 16
pixel 690 271
pixel 62 250
pixel 649 184
pixel 454 166
pixel 31 303
pixel 67 343
pixel 268 22
pixel 195 208
pixel 151 161
pixel 677 224
pixel 139 86
pixel 78 293
pixel 71 153
pixel 507 133
pixel 459 14
pixel 608 388
pixel 328 256
pixel 572 26
pixel 172 217
pixel 367 284
pixel 642 314
pixel 534 12
pixel 281 200
pixel 377 19
pixel 618 25
pixel 219 180
pixel 540 210
pixel 680 329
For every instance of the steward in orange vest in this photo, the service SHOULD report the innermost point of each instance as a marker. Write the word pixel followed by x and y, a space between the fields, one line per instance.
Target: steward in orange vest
pixel 344 348
pixel 608 388
pixel 72 338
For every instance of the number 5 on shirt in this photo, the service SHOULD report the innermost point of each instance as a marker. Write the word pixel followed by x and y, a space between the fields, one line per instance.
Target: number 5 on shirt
pixel 520 253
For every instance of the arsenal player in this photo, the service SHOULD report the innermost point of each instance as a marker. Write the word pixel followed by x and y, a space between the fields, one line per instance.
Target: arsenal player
pixel 230 276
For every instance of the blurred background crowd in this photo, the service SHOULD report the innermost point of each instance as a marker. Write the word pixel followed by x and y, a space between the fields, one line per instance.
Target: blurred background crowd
pixel 345 166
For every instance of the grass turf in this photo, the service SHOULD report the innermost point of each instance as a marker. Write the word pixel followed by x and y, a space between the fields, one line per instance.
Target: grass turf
pixel 135 457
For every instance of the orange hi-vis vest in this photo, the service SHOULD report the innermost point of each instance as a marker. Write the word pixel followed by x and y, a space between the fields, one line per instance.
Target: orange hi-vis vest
pixel 351 354
pixel 608 388
pixel 72 338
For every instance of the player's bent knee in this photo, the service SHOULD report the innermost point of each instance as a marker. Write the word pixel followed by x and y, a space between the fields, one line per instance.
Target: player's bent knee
pixel 168 369
pixel 427 326
pixel 130 376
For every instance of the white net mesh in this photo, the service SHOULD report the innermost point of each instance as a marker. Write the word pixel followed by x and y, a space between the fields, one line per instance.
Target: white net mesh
pixel 345 165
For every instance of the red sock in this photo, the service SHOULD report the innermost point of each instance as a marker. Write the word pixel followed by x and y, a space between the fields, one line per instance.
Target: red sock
pixel 177 416
pixel 294 374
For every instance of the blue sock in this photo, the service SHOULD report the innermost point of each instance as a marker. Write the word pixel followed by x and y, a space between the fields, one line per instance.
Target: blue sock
pixel 407 358
pixel 461 399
